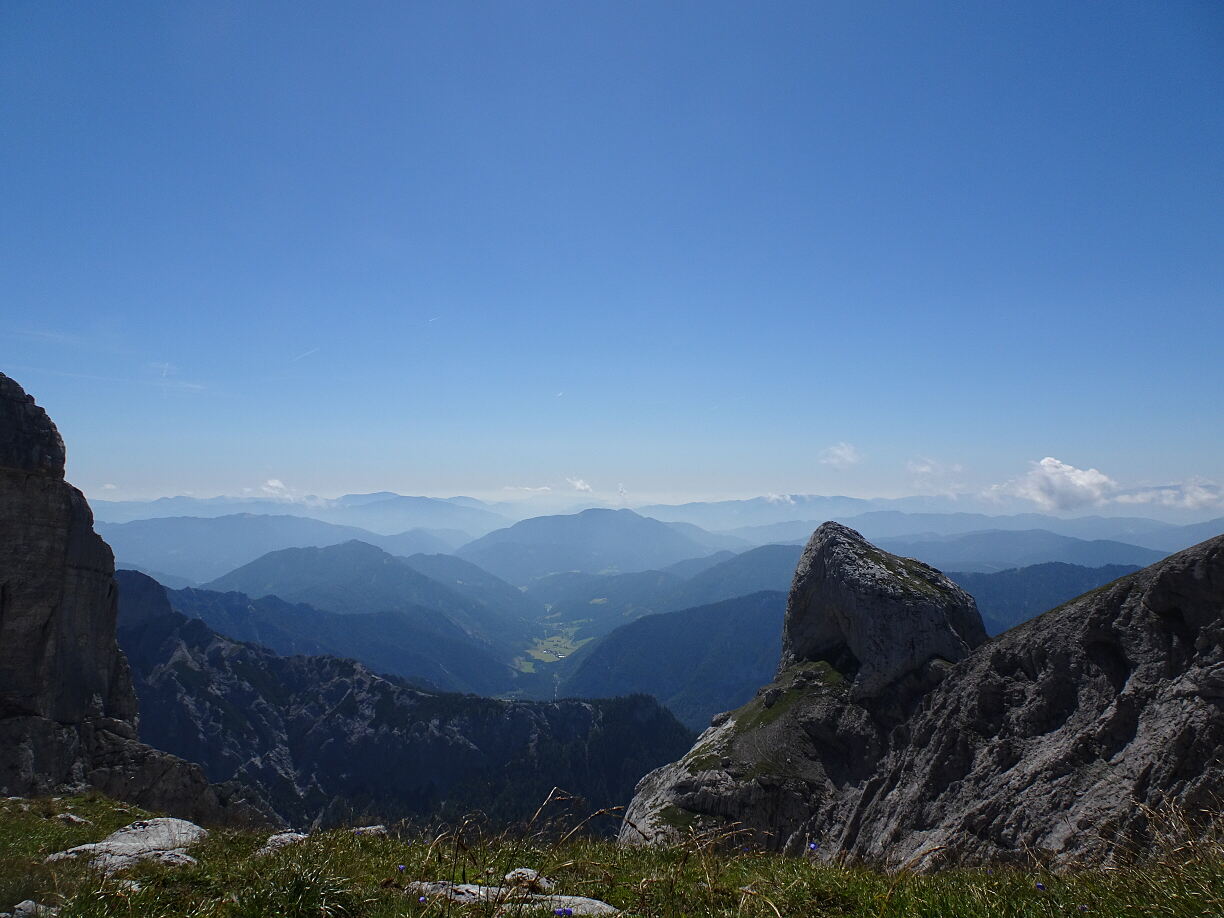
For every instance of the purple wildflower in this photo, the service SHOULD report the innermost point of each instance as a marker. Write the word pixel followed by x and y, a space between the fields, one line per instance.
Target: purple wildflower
pixel 1040 885
pixel 421 899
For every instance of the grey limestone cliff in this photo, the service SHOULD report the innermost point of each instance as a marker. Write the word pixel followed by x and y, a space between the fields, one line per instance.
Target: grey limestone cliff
pixel 866 634
pixel 1064 736
pixel 1057 740
pixel 67 706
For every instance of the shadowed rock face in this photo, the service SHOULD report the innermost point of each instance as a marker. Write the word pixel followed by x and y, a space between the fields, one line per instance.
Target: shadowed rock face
pixel 1063 734
pixel 875 616
pixel 67 707
pixel 1053 740
pixel 58 657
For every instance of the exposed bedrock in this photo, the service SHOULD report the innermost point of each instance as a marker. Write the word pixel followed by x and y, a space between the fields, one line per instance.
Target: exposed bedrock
pixel 888 736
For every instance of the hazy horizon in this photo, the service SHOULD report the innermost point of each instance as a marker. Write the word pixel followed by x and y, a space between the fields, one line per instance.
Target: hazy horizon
pixel 663 252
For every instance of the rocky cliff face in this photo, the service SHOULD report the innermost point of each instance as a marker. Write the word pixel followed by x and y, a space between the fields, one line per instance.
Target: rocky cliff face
pixel 67 707
pixel 866 634
pixel 1064 734
pixel 326 740
pixel 1053 740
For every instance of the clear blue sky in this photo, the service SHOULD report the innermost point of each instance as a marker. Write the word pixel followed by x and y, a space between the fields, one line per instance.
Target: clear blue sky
pixel 685 247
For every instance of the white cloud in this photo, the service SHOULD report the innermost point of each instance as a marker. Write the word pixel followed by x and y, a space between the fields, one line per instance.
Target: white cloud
pixel 1197 494
pixel 622 493
pixel 578 484
pixel 275 486
pixel 930 476
pixel 841 455
pixel 527 488
pixel 1054 485
pixel 110 487
pixel 779 498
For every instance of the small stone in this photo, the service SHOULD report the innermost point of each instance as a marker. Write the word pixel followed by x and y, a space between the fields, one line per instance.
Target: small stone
pixel 280 840
pixel 31 909
pixel 531 880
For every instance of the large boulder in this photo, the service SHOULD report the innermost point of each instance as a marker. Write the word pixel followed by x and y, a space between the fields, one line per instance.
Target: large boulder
pixel 876 616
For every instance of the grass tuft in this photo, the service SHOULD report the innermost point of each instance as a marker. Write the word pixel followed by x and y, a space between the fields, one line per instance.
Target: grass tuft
pixel 337 874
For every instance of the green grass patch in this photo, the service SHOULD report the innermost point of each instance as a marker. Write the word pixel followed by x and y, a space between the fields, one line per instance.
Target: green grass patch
pixel 339 874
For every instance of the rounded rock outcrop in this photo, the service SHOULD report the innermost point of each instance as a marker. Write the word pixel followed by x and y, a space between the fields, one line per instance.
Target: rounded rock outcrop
pixel 875 616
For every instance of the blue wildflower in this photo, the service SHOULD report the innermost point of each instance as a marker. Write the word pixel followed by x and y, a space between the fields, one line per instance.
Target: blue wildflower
pixel 1041 886
pixel 399 867
pixel 812 846
pixel 421 899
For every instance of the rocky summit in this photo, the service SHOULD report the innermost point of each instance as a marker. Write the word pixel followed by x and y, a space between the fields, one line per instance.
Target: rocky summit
pixel 894 733
pixel 876 617
pixel 67 706
pixel 865 635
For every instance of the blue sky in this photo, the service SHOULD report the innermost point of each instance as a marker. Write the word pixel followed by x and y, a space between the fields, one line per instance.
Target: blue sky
pixel 694 249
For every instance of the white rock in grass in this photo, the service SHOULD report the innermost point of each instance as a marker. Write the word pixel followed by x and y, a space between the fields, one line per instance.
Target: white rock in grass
pixel 528 879
pixel 281 840
pixel 162 840
pixel 31 909
pixel 511 900
pixel 379 830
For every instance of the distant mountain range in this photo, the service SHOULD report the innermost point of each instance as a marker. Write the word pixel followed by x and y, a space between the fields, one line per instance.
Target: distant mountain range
pixel 997 550
pixel 416 644
pixel 203 548
pixel 884 524
pixel 593 541
pixel 383 512
pixel 359 578
pixel 1008 598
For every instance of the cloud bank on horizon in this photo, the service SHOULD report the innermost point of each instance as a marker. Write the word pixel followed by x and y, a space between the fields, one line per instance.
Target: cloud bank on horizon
pixel 1050 486
pixel 1054 485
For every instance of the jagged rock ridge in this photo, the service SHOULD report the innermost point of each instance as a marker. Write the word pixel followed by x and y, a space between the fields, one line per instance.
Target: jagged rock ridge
pixel 67 706
pixel 328 741
pixel 1054 740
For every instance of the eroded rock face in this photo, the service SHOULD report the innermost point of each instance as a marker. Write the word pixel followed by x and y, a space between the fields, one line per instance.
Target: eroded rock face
pixel 866 635
pixel 1055 741
pixel 58 657
pixel 875 616
pixel 67 706
pixel 1061 736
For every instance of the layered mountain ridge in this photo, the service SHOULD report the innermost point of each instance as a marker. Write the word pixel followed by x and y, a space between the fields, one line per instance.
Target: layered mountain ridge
pixel 327 741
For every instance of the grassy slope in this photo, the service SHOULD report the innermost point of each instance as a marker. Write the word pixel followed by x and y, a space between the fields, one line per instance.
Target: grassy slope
pixel 337 873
